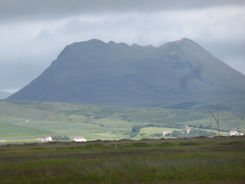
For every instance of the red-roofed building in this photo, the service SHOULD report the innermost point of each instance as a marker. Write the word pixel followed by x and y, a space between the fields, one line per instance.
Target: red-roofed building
pixel 234 132
pixel 79 139
pixel 164 133
pixel 47 139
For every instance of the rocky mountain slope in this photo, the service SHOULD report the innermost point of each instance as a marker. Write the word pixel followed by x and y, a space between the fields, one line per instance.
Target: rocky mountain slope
pixel 96 72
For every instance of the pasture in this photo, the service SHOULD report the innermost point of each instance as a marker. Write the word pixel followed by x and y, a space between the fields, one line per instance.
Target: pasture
pixel 22 121
pixel 200 160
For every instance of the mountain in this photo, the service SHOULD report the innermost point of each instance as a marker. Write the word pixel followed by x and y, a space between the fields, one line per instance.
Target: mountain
pixel 95 72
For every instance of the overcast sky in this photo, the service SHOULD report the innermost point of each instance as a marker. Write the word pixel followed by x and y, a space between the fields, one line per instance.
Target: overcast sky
pixel 32 33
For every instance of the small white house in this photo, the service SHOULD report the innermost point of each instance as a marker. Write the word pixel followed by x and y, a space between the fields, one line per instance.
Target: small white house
pixel 188 130
pixel 79 139
pixel 164 133
pixel 234 132
pixel 47 139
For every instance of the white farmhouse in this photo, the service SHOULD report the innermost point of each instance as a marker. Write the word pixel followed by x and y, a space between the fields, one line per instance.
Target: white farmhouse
pixel 169 132
pixel 47 139
pixel 234 132
pixel 79 139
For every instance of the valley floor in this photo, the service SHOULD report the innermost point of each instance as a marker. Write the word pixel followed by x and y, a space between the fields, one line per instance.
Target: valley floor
pixel 215 160
pixel 25 121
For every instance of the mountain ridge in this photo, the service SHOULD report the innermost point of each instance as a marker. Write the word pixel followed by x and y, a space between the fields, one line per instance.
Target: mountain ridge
pixel 117 73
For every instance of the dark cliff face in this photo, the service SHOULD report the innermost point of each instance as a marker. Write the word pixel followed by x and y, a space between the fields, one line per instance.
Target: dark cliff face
pixel 116 73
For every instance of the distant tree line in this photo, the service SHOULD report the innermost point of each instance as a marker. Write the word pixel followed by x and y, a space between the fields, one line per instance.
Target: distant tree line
pixel 206 127
pixel 181 133
pixel 60 138
pixel 193 133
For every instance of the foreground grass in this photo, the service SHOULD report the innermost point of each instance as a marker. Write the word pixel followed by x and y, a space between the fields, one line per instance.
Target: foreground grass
pixel 197 160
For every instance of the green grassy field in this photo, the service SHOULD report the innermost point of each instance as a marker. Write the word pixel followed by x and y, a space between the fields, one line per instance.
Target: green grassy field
pixel 7 129
pixel 216 160
pixel 22 120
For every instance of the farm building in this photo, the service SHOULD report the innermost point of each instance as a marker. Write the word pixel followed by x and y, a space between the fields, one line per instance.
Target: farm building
pixel 164 133
pixel 79 139
pixel 234 132
pixel 188 130
pixel 47 139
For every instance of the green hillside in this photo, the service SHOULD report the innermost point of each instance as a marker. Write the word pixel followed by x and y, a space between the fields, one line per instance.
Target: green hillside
pixel 9 130
pixel 20 120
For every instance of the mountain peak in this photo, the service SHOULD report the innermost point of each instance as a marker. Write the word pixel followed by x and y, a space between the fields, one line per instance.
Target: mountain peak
pixel 94 41
pixel 182 44
pixel 96 72
pixel 185 41
pixel 188 41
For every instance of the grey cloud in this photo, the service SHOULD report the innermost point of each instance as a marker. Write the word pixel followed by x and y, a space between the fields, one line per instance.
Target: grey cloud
pixel 35 44
pixel 231 53
pixel 47 9
pixel 15 74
